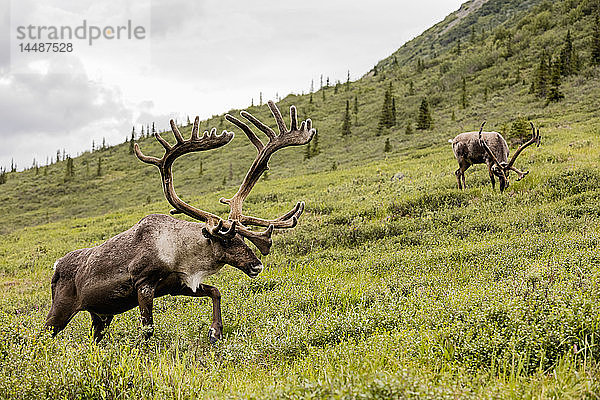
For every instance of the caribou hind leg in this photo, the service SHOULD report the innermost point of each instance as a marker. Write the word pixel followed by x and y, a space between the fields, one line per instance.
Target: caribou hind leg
pixel 460 175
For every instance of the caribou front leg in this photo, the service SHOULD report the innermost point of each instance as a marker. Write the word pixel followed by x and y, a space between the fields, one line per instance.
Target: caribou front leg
pixel 215 333
pixel 145 301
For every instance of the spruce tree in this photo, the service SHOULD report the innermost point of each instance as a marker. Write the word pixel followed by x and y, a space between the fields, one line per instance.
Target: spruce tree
pixel 348 81
pixel 131 141
pixel 2 176
pixel 153 130
pixel 346 122
pixel 596 43
pixel 409 129
pixel 566 56
pixel 99 169
pixel 387 118
pixel 387 147
pixel 69 169
pixel 519 128
pixel 463 93
pixel 542 77
pixel 554 93
pixel 424 117
pixel 315 145
pixel 307 152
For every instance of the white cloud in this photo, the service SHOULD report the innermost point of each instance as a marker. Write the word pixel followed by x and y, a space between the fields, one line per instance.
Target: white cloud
pixel 206 58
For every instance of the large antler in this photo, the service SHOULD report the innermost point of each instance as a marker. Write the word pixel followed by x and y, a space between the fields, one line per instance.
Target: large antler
pixel 535 138
pixel 208 141
pixel 483 144
pixel 295 136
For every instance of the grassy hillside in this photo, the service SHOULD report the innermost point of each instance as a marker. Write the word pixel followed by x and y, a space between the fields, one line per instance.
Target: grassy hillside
pixel 435 74
pixel 387 288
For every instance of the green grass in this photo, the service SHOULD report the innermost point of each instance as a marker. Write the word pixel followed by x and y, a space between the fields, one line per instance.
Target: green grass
pixel 386 289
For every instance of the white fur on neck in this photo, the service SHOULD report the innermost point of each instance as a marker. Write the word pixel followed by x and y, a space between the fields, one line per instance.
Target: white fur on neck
pixel 193 281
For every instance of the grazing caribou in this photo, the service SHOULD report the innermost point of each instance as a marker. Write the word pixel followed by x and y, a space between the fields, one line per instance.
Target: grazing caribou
pixel 163 255
pixel 491 149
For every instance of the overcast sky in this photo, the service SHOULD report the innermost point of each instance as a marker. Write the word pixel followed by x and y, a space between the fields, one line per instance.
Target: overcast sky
pixel 197 58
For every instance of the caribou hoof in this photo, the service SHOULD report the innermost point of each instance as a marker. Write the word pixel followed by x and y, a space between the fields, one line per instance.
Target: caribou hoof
pixel 147 331
pixel 213 336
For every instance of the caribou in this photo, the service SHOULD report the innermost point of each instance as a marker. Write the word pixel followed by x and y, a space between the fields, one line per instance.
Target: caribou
pixel 162 255
pixel 491 149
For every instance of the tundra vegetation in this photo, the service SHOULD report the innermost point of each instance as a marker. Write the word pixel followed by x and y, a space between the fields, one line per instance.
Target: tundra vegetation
pixel 389 288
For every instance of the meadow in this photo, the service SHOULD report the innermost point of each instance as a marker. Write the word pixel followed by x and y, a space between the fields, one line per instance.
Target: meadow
pixel 394 284
pixel 387 288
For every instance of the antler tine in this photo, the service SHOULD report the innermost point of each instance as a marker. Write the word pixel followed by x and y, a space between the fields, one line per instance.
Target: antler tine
pixel 144 158
pixel 291 137
pixel 195 129
pixel 262 240
pixel 264 128
pixel 164 164
pixel 214 230
pixel 287 220
pixel 278 117
pixel 162 141
pixel 535 138
pixel 293 119
pixel 253 138
pixel 483 144
pixel 176 132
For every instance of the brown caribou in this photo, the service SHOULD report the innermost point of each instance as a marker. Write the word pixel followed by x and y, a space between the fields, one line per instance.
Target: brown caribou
pixel 163 255
pixel 491 149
